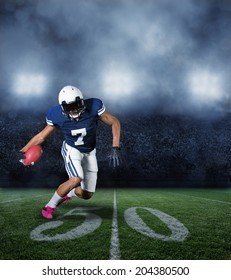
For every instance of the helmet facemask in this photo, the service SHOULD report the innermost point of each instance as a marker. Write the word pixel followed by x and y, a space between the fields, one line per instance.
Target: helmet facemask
pixel 74 109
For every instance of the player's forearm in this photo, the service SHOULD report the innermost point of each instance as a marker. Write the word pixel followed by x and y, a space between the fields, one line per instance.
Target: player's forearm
pixel 39 138
pixel 111 120
pixel 116 133
pixel 36 140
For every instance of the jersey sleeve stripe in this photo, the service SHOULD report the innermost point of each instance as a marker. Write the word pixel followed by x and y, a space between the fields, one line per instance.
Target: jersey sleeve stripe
pixel 49 122
pixel 100 111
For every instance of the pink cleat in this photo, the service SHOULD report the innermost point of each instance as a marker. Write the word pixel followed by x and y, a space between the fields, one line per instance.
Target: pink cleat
pixel 47 212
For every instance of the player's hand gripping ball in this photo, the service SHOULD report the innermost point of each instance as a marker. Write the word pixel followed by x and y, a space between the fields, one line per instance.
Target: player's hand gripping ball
pixel 32 155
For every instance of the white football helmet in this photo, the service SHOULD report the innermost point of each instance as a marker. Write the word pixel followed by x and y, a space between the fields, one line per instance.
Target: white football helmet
pixel 71 101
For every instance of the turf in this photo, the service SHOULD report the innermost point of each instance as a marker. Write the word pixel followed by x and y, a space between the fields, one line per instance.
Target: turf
pixel 205 213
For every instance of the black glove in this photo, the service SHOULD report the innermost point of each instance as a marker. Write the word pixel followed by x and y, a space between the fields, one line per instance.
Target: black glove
pixel 22 158
pixel 115 158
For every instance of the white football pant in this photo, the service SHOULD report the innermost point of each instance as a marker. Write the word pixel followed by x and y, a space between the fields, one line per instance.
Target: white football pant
pixel 82 165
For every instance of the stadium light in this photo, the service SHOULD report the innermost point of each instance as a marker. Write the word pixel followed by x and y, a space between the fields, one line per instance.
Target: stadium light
pixel 205 86
pixel 27 83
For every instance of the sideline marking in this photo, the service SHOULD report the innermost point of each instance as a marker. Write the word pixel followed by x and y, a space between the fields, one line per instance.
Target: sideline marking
pixel 22 198
pixel 204 198
pixel 115 245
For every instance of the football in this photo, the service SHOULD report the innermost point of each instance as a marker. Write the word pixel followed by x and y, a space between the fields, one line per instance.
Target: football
pixel 32 155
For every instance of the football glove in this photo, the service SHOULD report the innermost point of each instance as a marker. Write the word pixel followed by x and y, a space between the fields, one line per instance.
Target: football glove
pixel 115 158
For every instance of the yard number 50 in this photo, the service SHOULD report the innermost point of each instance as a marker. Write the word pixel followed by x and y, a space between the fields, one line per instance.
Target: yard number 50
pixel 92 221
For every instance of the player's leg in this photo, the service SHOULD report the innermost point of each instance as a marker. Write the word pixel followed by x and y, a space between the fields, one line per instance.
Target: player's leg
pixel 67 186
pixel 76 192
pixel 87 186
pixel 72 159
pixel 90 170
pixel 81 193
pixel 60 196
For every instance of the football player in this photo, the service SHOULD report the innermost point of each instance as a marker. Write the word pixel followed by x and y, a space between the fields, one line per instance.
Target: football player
pixel 77 118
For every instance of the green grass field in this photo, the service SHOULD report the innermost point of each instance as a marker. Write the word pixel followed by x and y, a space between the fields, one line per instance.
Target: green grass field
pixel 126 224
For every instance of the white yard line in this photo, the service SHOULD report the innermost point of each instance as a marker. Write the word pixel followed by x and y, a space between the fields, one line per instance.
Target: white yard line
pixel 198 197
pixel 115 245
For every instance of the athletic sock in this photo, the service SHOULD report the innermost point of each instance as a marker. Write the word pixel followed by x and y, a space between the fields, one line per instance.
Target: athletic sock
pixel 71 193
pixel 54 200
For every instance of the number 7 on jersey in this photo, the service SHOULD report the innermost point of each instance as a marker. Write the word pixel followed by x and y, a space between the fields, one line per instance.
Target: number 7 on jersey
pixel 82 133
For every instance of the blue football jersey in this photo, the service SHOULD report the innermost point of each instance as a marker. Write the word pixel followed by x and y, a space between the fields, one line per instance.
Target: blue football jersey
pixel 80 134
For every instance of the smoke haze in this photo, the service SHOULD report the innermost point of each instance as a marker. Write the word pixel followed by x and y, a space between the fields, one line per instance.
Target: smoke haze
pixel 147 56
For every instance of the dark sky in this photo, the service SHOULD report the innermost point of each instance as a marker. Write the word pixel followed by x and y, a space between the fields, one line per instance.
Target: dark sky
pixel 138 56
